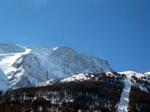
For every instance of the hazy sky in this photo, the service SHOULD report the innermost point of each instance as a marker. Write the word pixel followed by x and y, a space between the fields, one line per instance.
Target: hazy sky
pixel 117 30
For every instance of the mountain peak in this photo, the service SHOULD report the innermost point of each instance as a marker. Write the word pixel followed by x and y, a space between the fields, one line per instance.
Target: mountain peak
pixel 38 64
pixel 64 49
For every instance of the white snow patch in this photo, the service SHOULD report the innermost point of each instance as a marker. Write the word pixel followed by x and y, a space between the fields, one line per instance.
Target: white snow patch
pixel 129 74
pixel 124 100
pixel 78 77
pixel 9 59
pixel 55 48
pixel 48 82
pixel 148 73
pixel 143 88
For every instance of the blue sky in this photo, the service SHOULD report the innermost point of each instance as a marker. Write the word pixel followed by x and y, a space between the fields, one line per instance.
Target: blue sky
pixel 117 30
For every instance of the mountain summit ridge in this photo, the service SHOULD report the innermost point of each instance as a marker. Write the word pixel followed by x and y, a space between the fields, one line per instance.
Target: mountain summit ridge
pixel 27 66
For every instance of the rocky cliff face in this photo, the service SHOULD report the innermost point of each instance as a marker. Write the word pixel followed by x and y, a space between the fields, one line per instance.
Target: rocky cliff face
pixel 65 61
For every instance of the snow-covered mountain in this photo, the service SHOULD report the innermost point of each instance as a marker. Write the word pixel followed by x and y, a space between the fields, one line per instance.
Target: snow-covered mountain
pixel 25 67
pixel 64 61
pixel 4 83
pixel 42 67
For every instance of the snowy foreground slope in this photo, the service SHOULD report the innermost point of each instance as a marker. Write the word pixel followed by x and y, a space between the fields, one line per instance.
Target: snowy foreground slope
pixel 26 67
pixel 128 80
pixel 85 92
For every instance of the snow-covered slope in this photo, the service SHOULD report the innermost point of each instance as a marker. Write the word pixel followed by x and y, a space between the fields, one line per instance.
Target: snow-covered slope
pixel 147 73
pixel 78 77
pixel 26 67
pixel 29 72
pixel 65 61
pixel 129 80
pixel 6 64
pixel 4 83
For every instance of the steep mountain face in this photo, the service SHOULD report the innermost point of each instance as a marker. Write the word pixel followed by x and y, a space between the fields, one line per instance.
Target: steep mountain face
pixel 29 72
pixel 26 67
pixel 4 83
pixel 64 61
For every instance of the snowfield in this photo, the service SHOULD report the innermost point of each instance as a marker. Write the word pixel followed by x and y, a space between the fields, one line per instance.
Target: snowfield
pixel 6 64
